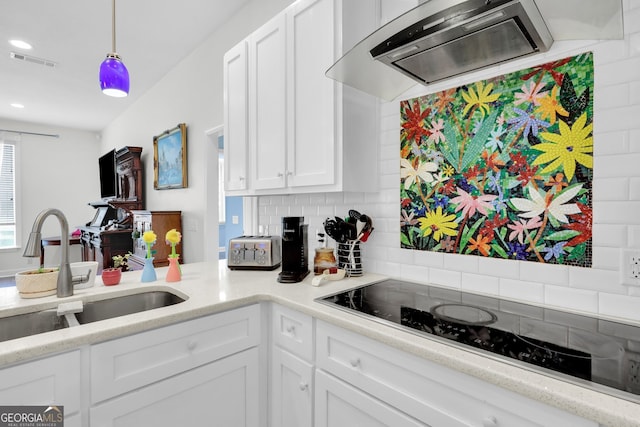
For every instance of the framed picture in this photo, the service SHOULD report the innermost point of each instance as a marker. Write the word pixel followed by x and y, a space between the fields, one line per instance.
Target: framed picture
pixel 170 158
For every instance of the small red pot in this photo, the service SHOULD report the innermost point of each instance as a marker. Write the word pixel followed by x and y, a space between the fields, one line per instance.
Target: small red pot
pixel 111 276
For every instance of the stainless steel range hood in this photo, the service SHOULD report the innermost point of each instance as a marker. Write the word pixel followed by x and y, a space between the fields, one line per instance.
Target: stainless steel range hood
pixel 440 39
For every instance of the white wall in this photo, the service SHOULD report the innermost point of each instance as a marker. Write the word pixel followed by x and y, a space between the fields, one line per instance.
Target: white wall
pixel 616 197
pixel 57 173
pixel 191 93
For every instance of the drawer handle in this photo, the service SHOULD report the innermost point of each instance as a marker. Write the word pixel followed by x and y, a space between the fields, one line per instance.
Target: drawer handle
pixel 191 345
pixel 490 422
pixel 354 362
pixel 291 329
pixel 303 386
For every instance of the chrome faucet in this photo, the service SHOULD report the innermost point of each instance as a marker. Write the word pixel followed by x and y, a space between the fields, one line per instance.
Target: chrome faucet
pixel 33 249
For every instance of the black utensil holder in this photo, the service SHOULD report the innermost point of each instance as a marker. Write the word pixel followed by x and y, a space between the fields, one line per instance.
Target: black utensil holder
pixel 350 258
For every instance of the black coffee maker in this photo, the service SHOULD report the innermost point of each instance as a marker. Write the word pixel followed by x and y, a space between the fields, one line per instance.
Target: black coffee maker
pixel 295 261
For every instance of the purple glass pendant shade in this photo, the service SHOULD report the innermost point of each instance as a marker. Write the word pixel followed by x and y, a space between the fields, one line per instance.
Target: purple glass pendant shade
pixel 114 77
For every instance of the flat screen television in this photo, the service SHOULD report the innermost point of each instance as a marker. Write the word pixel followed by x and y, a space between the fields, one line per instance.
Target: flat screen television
pixel 108 175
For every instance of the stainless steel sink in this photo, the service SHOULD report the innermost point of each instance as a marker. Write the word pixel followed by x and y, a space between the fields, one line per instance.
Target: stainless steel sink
pixel 37 322
pixel 121 306
pixel 24 325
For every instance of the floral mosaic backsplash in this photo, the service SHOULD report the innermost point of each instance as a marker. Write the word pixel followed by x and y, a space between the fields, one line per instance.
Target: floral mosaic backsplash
pixel 503 167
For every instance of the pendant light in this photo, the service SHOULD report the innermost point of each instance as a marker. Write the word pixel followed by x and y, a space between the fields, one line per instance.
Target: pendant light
pixel 114 77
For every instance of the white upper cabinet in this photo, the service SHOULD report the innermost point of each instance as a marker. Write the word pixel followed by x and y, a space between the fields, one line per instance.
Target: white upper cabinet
pixel 267 104
pixel 306 132
pixel 235 118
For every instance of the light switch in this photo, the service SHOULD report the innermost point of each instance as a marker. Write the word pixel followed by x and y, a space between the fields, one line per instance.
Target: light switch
pixel 235 219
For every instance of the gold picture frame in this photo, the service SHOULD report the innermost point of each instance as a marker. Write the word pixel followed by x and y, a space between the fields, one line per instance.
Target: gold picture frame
pixel 170 158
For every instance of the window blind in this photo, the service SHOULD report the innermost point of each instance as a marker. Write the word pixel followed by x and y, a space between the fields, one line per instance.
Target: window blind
pixel 7 195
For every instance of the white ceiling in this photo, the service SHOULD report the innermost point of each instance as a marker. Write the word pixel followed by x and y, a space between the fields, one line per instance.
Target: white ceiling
pixel 152 37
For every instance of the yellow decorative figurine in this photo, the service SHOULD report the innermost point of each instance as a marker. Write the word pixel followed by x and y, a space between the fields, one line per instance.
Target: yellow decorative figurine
pixel 149 272
pixel 172 238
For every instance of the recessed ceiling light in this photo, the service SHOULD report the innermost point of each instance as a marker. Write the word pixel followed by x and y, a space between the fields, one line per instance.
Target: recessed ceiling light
pixel 20 44
pixel 16 105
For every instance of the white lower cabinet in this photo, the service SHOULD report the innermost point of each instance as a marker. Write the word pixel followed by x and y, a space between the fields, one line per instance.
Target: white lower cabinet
pixel 222 393
pixel 54 380
pixel 291 390
pixel 430 393
pixel 200 372
pixel 291 384
pixel 338 404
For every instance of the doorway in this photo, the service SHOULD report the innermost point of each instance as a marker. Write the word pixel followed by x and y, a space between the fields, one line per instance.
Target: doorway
pixel 226 216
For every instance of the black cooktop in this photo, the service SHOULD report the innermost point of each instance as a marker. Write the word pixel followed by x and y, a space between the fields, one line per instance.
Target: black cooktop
pixel 592 352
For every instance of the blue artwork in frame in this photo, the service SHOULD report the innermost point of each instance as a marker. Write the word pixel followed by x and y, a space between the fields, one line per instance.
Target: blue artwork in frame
pixel 170 158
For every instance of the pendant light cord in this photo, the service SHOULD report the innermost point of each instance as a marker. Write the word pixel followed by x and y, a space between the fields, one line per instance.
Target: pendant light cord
pixel 113 26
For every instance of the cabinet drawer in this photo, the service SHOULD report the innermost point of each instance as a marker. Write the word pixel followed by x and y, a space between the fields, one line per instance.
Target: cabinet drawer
pixel 127 363
pixel 223 393
pixel 338 404
pixel 428 392
pixel 293 331
pixel 53 380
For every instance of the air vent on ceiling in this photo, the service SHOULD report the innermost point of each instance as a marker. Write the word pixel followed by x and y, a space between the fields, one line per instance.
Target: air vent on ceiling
pixel 32 59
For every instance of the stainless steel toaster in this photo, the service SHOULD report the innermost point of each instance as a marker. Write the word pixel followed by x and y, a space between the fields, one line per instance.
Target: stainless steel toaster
pixel 254 253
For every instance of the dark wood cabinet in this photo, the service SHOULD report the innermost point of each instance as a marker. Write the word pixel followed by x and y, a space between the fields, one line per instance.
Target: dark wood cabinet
pixel 130 186
pixel 101 245
pixel 109 233
pixel 160 222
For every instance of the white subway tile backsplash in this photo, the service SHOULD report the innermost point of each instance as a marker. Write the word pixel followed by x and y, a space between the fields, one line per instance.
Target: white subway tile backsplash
pixel 610 51
pixel 478 283
pixel 428 258
pixel 546 273
pixel 522 290
pixel 620 306
pixel 616 212
pixel 596 280
pixel 414 273
pixel 613 119
pixel 464 263
pixel 335 198
pixel 398 255
pixel 621 165
pixel 509 269
pixel 631 20
pixel 634 87
pixel 612 96
pixel 634 138
pixel 610 235
pixel 605 143
pixel 634 188
pixel 606 258
pixel 605 189
pixel 352 198
pixel 317 199
pixel 389 167
pixel 633 233
pixel 573 299
pixel 447 278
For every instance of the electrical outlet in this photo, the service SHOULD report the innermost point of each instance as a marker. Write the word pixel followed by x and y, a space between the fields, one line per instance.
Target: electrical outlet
pixel 630 267
pixel 633 372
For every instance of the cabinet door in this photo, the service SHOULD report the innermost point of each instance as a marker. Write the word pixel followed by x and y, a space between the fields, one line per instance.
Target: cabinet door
pixel 223 393
pixel 291 390
pixel 338 404
pixel 236 142
pixel 54 380
pixel 311 96
pixel 125 364
pixel 267 88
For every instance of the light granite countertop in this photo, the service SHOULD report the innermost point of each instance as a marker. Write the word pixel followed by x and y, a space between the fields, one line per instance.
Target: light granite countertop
pixel 209 288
